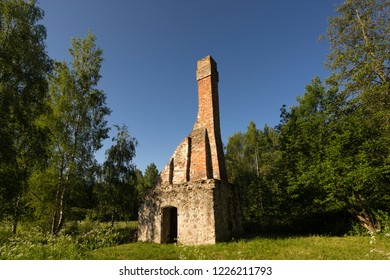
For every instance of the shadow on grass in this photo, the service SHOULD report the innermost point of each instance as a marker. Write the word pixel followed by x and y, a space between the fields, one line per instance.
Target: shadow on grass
pixel 305 227
pixel 126 235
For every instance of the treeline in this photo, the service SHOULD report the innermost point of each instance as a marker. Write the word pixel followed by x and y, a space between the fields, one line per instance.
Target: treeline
pixel 53 120
pixel 326 167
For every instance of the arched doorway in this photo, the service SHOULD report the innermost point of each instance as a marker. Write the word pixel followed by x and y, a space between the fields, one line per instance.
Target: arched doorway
pixel 169 225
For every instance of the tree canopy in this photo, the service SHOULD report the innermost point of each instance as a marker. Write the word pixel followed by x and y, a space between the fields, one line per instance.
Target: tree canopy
pixel 24 68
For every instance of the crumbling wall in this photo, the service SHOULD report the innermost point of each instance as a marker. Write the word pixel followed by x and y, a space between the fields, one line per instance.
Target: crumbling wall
pixel 207 212
pixel 193 193
pixel 195 213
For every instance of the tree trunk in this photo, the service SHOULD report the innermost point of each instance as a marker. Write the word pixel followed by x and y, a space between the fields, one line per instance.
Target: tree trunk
pixel 378 65
pixel 368 222
pixel 61 213
pixel 112 219
pixel 53 222
pixel 53 229
pixel 15 218
pixel 58 216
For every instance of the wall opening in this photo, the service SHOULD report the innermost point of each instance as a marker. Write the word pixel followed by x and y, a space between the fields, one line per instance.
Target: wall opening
pixel 169 225
pixel 188 164
pixel 209 160
pixel 171 169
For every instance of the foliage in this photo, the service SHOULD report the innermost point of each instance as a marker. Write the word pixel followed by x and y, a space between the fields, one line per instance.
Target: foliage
pixel 148 180
pixel 307 133
pixel 329 164
pixel 360 57
pixel 32 243
pixel 36 245
pixel 325 155
pixel 116 191
pixel 77 125
pixel 151 176
pixel 252 160
pixel 24 67
pixel 314 173
pixel 359 38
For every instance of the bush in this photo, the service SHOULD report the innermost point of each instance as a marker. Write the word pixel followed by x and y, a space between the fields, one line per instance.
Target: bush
pixel 36 245
pixel 384 219
pixel 73 242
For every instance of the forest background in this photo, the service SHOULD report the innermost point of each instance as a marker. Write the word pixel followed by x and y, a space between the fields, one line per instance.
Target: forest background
pixel 325 169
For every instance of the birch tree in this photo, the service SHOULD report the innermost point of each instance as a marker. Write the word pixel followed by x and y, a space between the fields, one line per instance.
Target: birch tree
pixel 77 126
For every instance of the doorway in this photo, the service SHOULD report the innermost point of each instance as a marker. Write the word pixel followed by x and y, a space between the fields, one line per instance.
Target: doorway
pixel 169 225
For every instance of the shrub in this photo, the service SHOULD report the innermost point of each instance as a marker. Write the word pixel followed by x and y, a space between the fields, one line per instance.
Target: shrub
pixel 73 242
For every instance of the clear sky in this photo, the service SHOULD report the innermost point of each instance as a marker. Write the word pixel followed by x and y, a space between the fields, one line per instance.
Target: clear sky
pixel 266 51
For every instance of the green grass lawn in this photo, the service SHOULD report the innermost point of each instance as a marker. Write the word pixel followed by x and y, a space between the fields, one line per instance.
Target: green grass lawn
pixel 94 240
pixel 292 248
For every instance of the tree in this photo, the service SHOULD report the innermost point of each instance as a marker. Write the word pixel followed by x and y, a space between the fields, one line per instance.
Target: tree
pixel 307 133
pixel 77 125
pixel 359 37
pixel 252 160
pixel 116 192
pixel 24 67
pixel 150 176
pixel 146 181
pixel 332 168
pixel 359 40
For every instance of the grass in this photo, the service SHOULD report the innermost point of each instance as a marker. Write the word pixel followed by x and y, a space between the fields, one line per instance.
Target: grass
pixel 97 241
pixel 136 251
pixel 293 248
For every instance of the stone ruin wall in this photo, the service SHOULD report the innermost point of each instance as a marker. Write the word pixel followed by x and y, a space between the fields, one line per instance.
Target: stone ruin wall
pixel 206 212
pixel 195 213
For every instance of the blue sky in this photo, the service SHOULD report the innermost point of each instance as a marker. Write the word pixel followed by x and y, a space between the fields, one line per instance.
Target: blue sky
pixel 266 51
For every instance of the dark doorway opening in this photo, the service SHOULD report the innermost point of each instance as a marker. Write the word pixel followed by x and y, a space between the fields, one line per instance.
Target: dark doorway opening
pixel 169 225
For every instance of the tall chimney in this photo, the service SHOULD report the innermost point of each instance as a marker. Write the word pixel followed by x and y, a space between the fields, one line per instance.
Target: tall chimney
pixel 200 155
pixel 208 114
pixel 192 202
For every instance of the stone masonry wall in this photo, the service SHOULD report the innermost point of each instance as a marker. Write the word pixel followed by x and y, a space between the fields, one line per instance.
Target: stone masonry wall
pixel 195 213
pixel 206 213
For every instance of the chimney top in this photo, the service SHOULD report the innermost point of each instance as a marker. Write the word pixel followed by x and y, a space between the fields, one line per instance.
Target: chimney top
pixel 206 67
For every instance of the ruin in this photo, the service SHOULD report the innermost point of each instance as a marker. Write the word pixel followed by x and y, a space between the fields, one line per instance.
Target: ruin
pixel 193 203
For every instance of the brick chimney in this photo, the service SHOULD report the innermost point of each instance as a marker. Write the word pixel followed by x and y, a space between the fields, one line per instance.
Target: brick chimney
pixel 200 155
pixel 192 203
pixel 208 115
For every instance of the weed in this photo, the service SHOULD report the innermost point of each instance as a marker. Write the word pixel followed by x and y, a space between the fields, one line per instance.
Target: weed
pixel 73 242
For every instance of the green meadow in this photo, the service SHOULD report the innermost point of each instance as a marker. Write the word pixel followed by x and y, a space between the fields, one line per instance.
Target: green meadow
pixel 98 241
